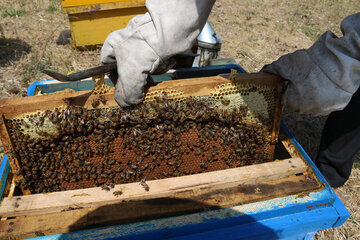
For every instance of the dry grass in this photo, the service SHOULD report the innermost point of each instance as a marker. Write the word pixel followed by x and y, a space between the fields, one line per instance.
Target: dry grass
pixel 35 30
pixel 253 32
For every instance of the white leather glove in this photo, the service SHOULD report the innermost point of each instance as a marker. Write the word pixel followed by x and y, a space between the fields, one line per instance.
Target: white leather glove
pixel 168 28
pixel 323 78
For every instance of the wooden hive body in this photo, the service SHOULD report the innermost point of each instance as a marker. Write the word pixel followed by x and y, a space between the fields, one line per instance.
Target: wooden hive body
pixel 213 188
pixel 92 21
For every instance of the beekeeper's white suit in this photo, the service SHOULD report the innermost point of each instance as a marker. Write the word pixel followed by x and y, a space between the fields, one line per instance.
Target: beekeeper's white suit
pixel 321 79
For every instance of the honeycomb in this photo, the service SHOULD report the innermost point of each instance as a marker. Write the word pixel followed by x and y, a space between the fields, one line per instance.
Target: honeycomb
pixel 100 87
pixel 168 135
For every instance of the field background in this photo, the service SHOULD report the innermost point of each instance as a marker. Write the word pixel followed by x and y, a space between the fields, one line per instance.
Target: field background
pixel 254 33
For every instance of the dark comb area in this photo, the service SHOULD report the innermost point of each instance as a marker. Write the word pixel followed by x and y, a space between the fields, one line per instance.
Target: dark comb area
pixel 73 147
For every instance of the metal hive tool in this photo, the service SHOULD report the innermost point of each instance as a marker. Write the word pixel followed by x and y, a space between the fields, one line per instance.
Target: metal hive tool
pixel 170 134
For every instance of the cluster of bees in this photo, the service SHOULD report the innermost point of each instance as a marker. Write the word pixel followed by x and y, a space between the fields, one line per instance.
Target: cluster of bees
pixel 108 146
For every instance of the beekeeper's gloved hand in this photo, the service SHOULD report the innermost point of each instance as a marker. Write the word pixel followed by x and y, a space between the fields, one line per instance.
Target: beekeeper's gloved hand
pixel 168 28
pixel 323 78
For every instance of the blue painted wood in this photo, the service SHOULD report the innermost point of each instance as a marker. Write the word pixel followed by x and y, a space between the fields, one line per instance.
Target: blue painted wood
pixel 76 86
pixel 260 220
pixel 343 213
pixel 4 171
pixel 178 74
pixel 32 88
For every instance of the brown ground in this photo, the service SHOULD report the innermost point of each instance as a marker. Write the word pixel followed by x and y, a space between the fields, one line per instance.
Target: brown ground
pixel 254 33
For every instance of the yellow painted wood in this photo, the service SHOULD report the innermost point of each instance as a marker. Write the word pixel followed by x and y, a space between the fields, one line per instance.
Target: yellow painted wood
pixel 90 29
pixel 92 7
pixel 92 21
pixel 73 3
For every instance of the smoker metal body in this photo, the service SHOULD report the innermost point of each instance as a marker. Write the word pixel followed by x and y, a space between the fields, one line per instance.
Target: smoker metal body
pixel 208 46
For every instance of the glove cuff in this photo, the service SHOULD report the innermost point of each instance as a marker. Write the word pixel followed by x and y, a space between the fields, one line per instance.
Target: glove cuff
pixel 309 91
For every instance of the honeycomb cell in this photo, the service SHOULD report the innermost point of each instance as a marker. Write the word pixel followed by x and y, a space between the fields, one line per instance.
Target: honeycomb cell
pixel 167 136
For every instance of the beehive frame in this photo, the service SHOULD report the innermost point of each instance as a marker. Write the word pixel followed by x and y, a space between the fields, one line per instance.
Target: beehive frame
pixel 186 88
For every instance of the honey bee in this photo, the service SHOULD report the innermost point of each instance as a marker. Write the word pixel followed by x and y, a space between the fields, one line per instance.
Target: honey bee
pixel 68 100
pixel 171 163
pixel 152 166
pixel 104 187
pixel 143 167
pixel 117 193
pixel 198 152
pixel 102 99
pixel 95 103
pixel 97 113
pixel 104 175
pixel 204 164
pixel 25 124
pixel 144 184
pixel 189 101
pixel 134 166
pixel 73 179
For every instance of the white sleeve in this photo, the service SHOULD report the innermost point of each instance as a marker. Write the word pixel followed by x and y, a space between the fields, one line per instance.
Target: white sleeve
pixel 169 27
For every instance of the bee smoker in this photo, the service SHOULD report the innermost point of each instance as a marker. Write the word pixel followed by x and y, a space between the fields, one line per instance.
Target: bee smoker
pixel 208 46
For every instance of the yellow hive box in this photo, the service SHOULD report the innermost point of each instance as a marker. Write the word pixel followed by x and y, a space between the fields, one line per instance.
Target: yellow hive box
pixel 92 21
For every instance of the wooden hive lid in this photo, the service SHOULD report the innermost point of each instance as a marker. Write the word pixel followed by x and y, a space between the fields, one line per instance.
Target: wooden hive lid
pixel 80 6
